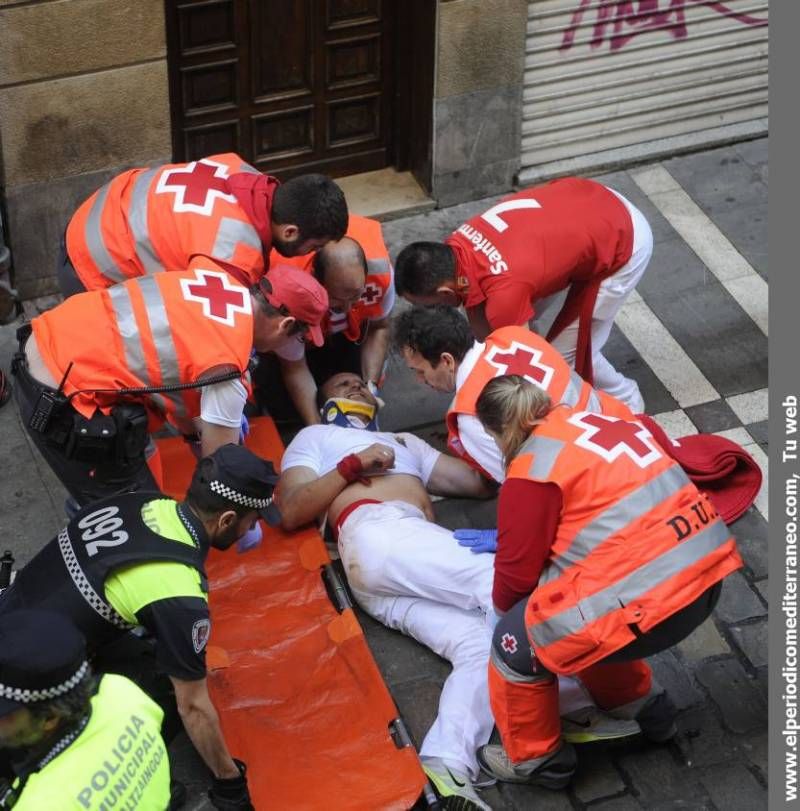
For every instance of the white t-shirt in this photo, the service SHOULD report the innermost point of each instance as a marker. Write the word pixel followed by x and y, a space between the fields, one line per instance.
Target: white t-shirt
pixel 322 447
pixel 223 403
pixel 476 441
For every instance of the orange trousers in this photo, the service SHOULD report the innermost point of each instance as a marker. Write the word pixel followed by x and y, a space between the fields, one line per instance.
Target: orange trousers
pixel 526 712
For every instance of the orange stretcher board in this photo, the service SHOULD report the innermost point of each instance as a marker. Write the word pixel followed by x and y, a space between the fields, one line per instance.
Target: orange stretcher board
pixel 299 695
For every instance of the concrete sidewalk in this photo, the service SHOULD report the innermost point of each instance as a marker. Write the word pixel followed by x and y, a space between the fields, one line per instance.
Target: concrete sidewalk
pixel 694 337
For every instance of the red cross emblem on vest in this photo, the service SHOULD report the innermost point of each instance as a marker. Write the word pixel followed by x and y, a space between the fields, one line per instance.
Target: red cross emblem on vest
pixel 519 359
pixel 196 186
pixel 509 643
pixel 220 296
pixel 611 437
pixel 371 293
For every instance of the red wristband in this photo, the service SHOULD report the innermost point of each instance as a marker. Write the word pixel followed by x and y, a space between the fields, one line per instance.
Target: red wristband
pixel 351 468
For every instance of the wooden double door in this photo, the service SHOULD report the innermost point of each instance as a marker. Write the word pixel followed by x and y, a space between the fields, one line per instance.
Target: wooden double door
pixel 300 86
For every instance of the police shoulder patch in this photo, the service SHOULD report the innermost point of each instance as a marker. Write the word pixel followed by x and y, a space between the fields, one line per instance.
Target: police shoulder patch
pixel 201 630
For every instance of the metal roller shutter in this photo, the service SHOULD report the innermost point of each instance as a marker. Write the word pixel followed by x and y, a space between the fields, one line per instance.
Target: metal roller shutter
pixel 609 81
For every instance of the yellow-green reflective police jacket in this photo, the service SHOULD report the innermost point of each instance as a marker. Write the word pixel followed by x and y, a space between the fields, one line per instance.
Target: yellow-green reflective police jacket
pixel 118 762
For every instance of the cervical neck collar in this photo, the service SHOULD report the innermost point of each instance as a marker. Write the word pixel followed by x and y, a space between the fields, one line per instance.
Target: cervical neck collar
pixel 349 414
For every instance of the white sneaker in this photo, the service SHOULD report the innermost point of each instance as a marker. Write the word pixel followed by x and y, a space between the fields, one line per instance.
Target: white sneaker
pixel 453 787
pixel 590 724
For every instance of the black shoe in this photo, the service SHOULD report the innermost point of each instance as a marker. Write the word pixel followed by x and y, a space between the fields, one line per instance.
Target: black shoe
pixel 657 719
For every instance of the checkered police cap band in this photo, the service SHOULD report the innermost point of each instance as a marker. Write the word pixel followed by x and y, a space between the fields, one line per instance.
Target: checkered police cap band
pixel 26 696
pixel 222 489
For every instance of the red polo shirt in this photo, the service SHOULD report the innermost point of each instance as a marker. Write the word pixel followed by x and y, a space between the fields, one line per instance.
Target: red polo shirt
pixel 536 242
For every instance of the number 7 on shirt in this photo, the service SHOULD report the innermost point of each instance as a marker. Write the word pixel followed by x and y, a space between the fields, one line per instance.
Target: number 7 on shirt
pixel 492 216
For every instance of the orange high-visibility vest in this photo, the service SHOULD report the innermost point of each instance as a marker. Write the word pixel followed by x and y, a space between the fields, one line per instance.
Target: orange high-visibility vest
pixel 160 330
pixel 636 541
pixel 147 220
pixel 380 277
pixel 517 350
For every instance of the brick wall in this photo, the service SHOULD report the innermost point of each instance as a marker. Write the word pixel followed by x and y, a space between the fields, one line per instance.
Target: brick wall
pixel 83 95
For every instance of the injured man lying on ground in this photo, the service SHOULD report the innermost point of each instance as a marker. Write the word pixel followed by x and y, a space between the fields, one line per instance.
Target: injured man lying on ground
pixel 408 572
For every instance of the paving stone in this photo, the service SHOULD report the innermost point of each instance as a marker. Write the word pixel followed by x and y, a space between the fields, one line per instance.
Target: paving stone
pixel 760 432
pixel 756 749
pixel 400 658
pixel 702 741
pixel 750 532
pixel 435 435
pixel 624 803
pixel 597 777
pixel 674 677
pixel 738 601
pixel 734 788
pixel 712 417
pixel 752 639
pixel 460 513
pixel 656 777
pixel 491 796
pixel 694 804
pixel 184 761
pixel 703 642
pixel 533 798
pixel 721 181
pixel 737 695
pixel 418 703
pixel 727 346
pixel 409 403
pixel 754 152
pixel 626 360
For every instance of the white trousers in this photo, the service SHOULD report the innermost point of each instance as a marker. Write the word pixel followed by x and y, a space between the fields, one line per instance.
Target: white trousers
pixel 610 298
pixel 411 575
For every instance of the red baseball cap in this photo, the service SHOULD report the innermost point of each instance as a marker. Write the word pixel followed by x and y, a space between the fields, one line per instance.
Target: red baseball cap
pixel 301 294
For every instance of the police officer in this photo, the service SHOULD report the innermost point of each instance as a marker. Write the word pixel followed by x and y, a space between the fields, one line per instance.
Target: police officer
pixel 67 739
pixel 138 560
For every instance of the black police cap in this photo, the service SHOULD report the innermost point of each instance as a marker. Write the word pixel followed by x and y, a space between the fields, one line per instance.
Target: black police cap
pixel 241 477
pixel 42 657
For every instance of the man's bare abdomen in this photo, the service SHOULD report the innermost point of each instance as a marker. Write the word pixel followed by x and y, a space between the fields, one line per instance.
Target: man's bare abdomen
pixel 389 487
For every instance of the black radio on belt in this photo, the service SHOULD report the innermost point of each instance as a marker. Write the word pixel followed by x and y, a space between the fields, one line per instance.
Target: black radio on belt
pixel 49 404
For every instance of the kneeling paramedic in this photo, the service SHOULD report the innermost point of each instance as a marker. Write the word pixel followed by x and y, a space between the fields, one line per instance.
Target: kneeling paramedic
pixel 627 559
pixel 138 560
pixel 69 740
pixel 97 375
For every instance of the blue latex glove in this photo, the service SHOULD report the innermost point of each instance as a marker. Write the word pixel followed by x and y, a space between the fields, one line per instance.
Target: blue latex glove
pixel 244 430
pixel 478 540
pixel 250 540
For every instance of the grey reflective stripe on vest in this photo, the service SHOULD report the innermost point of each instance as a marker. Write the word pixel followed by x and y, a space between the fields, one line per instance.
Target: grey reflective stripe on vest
pixel 164 342
pixel 378 267
pixel 94 239
pixel 594 403
pixel 247 169
pixel 97 603
pixel 572 393
pixel 132 343
pixel 630 588
pixel 229 234
pixel 545 452
pixel 137 219
pixel 637 503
